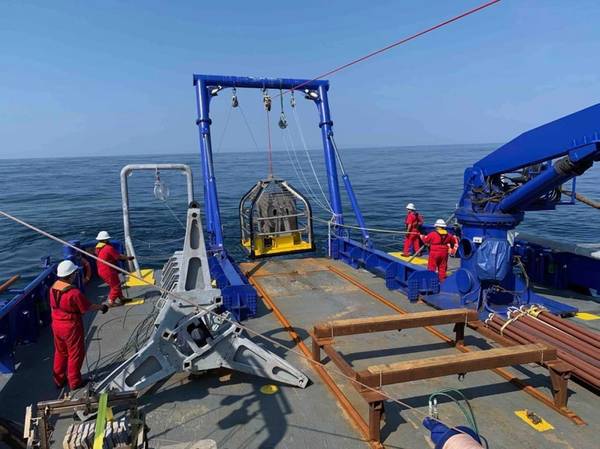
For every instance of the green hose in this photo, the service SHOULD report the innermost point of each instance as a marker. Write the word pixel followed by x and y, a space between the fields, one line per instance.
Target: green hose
pixel 467 410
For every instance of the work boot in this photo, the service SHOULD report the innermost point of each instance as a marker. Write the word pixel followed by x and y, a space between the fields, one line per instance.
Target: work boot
pixel 80 385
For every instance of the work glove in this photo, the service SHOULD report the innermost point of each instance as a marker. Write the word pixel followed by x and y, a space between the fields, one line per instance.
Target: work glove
pixel 104 308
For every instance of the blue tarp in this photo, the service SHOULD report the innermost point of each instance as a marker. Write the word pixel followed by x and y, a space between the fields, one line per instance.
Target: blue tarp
pixel 493 260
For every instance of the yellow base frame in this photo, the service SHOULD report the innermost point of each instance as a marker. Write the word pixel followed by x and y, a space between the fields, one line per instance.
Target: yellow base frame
pixel 279 244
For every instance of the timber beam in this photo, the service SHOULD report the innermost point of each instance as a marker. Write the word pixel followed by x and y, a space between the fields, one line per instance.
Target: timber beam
pixel 379 375
pixel 368 383
pixel 338 328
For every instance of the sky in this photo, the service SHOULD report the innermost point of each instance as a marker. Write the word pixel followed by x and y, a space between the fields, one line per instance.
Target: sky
pixel 115 77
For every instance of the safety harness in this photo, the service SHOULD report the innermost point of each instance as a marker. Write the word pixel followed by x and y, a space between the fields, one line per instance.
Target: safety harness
pixel 419 220
pixel 443 239
pixel 56 292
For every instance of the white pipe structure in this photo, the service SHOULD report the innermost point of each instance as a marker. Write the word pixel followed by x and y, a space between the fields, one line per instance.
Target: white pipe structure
pixel 125 173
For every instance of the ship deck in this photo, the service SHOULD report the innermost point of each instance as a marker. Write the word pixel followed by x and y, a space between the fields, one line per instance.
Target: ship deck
pixel 230 408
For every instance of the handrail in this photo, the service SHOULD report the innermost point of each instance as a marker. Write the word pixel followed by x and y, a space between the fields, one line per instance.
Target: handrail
pixel 280 216
pixel 17 299
pixel 125 172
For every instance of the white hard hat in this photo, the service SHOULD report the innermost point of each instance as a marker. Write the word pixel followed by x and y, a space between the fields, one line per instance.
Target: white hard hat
pixel 65 268
pixel 411 206
pixel 439 223
pixel 103 235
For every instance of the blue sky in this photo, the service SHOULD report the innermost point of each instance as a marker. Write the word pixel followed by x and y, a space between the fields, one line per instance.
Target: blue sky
pixel 98 78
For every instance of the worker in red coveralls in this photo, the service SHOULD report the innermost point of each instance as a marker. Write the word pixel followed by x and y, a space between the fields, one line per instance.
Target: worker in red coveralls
pixel 441 244
pixel 413 222
pixel 67 305
pixel 107 253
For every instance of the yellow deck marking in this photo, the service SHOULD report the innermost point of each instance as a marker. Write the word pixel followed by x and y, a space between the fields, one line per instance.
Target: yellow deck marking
pixel 269 389
pixel 147 275
pixel 587 316
pixel 135 302
pixel 542 426
pixel 417 260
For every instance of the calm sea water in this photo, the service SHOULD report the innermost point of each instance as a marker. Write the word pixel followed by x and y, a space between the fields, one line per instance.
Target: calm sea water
pixel 74 198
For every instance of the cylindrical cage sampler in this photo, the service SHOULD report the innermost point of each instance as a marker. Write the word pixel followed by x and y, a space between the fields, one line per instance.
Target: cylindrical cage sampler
pixel 275 219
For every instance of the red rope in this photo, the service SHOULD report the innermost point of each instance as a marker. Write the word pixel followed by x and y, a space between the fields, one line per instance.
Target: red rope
pixel 269 150
pixel 400 42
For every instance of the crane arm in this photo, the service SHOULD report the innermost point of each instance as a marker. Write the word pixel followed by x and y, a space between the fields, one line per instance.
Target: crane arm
pixel 544 143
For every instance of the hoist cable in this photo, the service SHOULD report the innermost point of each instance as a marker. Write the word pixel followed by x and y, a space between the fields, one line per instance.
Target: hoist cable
pixel 307 185
pixel 397 43
pixel 288 142
pixel 222 138
pixel 310 161
pixel 248 127
pixel 301 176
pixel 174 295
pixel 269 149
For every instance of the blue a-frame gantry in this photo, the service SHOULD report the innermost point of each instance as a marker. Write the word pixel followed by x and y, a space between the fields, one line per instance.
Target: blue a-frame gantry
pixel 205 86
pixel 411 278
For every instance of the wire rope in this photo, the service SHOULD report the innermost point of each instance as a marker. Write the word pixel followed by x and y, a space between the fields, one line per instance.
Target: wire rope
pixel 300 174
pixel 174 215
pixel 394 44
pixel 248 127
pixel 222 138
pixel 310 161
pixel 269 147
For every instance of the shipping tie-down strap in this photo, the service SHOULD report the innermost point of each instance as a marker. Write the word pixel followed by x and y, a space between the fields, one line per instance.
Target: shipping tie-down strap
pixel 100 421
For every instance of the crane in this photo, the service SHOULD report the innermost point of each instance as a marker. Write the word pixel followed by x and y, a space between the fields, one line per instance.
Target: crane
pixel 525 174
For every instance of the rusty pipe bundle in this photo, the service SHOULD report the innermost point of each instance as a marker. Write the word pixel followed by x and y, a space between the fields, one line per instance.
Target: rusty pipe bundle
pixel 558 335
pixel 586 365
pixel 580 370
pixel 582 333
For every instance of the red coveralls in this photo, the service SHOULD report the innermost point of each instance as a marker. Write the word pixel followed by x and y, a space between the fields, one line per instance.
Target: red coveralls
pixel 67 305
pixel 439 247
pixel 108 253
pixel 412 238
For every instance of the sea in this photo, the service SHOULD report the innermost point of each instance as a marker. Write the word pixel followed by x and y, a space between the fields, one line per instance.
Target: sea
pixel 74 198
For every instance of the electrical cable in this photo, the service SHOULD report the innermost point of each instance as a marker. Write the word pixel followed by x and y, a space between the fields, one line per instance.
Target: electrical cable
pixel 380 391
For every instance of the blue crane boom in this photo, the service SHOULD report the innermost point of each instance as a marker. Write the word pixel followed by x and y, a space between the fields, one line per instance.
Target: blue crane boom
pixel 525 174
pixel 549 141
